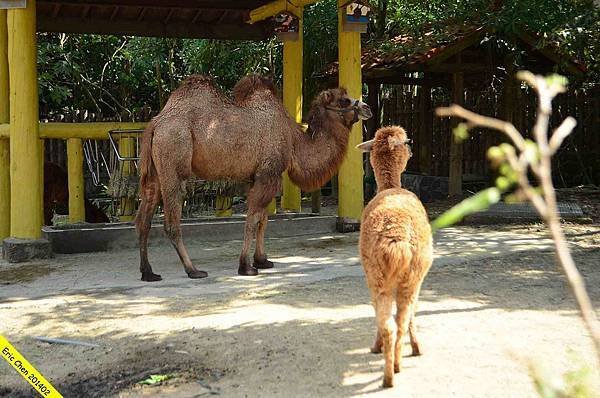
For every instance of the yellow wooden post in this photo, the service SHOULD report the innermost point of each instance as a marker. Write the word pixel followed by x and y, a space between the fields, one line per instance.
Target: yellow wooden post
pixel 292 100
pixel 4 144
pixel 223 206
pixel 25 160
pixel 76 183
pixel 350 176
pixel 272 207
pixel 127 149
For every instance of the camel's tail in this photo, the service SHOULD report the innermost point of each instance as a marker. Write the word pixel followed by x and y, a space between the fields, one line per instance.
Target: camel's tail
pixel 146 168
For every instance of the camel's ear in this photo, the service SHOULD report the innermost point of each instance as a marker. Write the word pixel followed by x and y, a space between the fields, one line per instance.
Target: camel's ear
pixel 315 119
pixel 394 142
pixel 327 97
pixel 365 146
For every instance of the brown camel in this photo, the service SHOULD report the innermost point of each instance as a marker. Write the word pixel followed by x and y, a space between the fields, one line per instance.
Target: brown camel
pixel 201 132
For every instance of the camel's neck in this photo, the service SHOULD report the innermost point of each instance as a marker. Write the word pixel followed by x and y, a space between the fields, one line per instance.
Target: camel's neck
pixel 387 178
pixel 317 155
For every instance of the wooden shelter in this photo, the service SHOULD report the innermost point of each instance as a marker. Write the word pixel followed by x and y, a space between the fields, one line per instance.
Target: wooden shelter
pixel 461 59
pixel 21 134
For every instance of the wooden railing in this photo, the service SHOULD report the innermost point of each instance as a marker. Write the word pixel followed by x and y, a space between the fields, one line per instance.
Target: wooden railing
pixel 74 134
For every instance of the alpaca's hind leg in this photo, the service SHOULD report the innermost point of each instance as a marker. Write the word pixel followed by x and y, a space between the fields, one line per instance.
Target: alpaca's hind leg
pixel 150 195
pixel 260 257
pixel 376 349
pixel 386 327
pixel 259 196
pixel 171 193
pixel 412 332
pixel 405 308
pixel 412 326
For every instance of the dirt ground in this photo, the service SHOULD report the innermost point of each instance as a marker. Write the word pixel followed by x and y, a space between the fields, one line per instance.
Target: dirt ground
pixel 492 303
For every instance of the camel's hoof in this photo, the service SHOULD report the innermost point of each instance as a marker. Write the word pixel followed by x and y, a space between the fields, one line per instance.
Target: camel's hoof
pixel 388 382
pixel 151 277
pixel 397 368
pixel 416 351
pixel 247 270
pixel 266 264
pixel 197 274
pixel 376 349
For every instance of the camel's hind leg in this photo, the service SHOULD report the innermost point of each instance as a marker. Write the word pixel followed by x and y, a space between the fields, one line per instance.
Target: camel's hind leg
pixel 150 195
pixel 171 193
pixel 259 196
pixel 386 328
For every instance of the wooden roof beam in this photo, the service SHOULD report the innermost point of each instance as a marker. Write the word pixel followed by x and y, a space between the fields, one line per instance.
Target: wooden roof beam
pixel 275 7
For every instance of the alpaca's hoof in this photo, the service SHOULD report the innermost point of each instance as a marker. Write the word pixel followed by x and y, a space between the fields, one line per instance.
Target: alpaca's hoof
pixel 416 351
pixel 197 274
pixel 265 264
pixel 388 381
pixel 376 349
pixel 151 277
pixel 397 368
pixel 247 270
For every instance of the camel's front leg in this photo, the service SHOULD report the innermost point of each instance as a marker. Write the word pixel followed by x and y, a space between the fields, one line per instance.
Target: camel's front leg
pixel 260 257
pixel 259 196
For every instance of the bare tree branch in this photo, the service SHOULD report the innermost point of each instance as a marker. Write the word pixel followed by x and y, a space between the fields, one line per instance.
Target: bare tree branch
pixel 545 203
pixel 476 120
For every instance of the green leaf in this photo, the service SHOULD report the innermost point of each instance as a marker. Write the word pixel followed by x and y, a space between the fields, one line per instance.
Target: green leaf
pixel 155 379
pixel 480 201
pixel 557 80
pixel 495 155
pixel 461 132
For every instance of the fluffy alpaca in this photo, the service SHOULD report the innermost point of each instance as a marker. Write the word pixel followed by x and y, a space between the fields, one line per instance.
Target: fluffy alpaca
pixel 201 132
pixel 395 247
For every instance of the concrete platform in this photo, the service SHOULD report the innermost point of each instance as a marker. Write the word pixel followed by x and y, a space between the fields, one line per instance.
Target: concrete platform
pixel 86 238
pixel 502 213
pixel 16 250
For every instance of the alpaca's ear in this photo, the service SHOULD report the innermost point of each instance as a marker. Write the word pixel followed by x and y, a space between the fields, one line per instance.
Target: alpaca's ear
pixel 365 146
pixel 394 142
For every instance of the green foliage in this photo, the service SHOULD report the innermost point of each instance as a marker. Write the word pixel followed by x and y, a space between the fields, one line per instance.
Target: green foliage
pixel 578 382
pixel 117 76
pixel 228 61
pixel 155 379
pixel 461 132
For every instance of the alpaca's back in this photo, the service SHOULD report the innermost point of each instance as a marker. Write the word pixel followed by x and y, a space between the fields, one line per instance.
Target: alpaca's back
pixel 395 239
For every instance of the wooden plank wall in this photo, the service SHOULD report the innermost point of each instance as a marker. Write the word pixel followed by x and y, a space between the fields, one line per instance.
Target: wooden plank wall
pixel 577 163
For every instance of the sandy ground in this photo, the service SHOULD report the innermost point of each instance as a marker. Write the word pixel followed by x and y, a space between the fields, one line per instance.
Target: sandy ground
pixel 493 302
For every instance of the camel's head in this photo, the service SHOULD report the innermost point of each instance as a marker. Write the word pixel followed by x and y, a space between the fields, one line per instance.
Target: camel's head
pixel 337 103
pixel 250 85
pixel 389 149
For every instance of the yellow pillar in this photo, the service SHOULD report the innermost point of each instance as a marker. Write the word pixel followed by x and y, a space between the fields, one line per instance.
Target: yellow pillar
pixel 350 176
pixel 75 180
pixel 25 160
pixel 223 206
pixel 292 100
pixel 127 149
pixel 4 144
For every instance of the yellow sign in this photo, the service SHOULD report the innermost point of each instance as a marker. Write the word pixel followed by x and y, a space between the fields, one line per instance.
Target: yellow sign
pixel 25 369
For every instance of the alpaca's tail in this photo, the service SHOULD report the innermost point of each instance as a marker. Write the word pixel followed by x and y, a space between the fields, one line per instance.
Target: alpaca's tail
pixel 146 168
